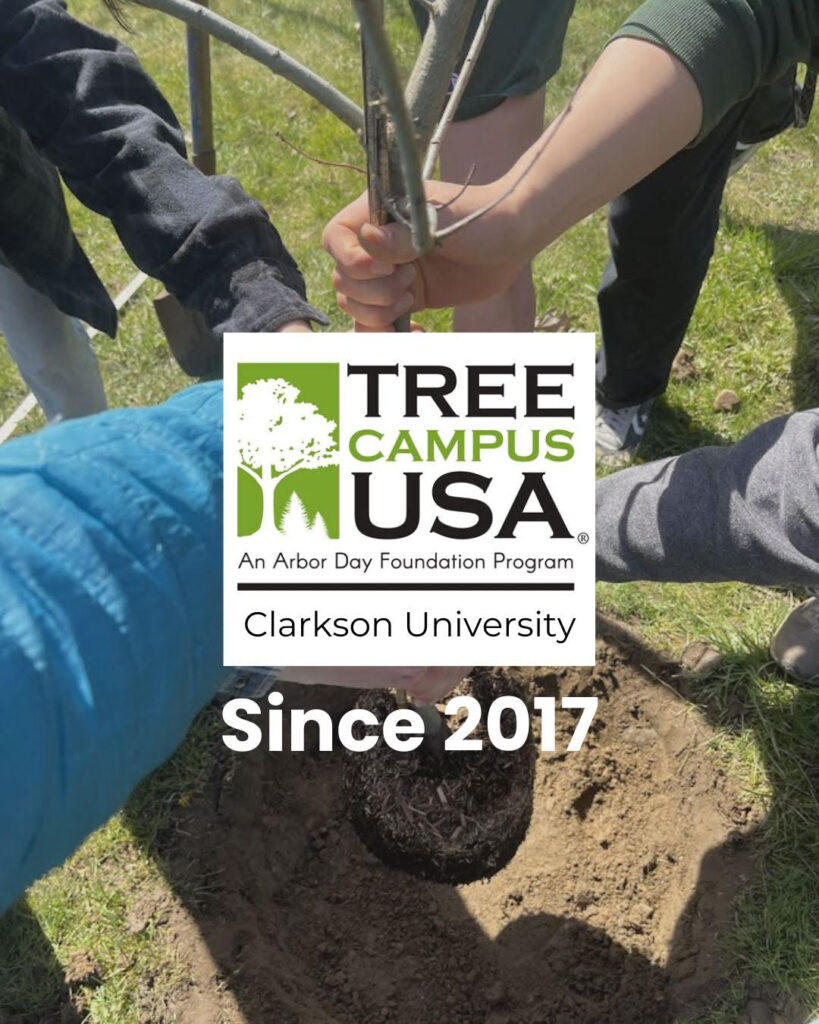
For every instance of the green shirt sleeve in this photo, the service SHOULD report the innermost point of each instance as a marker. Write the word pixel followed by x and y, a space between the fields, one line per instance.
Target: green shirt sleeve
pixel 730 47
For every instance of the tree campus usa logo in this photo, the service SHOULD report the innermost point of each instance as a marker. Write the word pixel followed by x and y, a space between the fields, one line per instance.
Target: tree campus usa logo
pixel 288 449
pixel 421 500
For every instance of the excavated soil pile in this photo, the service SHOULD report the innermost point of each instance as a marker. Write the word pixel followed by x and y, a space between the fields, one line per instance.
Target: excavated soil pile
pixel 610 912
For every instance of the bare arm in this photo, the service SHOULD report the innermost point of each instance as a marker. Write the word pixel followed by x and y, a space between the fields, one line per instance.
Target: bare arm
pixel 637 108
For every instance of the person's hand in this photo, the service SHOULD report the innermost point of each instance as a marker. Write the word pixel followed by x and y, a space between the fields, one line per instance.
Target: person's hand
pixel 295 325
pixel 426 685
pixel 435 683
pixel 378 276
pixel 358 328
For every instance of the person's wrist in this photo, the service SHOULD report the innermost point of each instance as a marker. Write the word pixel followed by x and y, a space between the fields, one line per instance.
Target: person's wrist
pixel 490 238
pixel 516 225
pixel 295 325
pixel 501 228
pixel 511 228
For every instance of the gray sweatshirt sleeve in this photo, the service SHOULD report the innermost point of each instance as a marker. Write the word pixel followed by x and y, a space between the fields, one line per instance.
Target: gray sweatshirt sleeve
pixel 748 512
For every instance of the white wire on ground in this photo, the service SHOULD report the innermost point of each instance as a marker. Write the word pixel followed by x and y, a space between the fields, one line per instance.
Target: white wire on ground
pixel 29 403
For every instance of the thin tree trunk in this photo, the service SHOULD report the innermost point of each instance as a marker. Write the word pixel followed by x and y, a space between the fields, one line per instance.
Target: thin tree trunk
pixel 384 176
pixel 268 483
pixel 431 76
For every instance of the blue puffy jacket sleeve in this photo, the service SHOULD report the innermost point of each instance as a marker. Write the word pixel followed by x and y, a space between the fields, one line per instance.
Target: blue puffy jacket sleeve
pixel 110 615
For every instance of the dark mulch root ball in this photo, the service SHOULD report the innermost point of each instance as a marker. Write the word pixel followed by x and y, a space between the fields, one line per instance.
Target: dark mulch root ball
pixel 451 818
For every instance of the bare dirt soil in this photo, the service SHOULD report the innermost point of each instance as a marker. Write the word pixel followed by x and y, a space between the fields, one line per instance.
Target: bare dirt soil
pixel 611 911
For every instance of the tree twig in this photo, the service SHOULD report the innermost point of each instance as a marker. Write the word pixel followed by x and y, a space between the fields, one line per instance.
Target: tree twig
pixel 383 65
pixel 317 159
pixel 457 93
pixel 271 57
pixel 430 78
pixel 546 139
pixel 391 207
pixel 460 192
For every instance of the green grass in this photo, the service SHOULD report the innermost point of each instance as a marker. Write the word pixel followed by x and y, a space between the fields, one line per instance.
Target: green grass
pixel 756 330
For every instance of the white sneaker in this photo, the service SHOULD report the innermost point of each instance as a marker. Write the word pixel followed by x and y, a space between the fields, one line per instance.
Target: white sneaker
pixel 618 432
pixel 795 645
pixel 742 154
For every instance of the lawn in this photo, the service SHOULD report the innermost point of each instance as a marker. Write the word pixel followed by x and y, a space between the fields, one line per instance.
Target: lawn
pixel 756 330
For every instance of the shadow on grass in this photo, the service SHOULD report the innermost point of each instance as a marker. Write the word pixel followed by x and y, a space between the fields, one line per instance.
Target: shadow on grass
pixel 794 257
pixel 795 265
pixel 672 431
pixel 33 985
pixel 262 877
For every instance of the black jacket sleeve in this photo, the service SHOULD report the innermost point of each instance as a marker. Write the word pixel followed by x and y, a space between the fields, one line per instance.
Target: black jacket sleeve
pixel 89 106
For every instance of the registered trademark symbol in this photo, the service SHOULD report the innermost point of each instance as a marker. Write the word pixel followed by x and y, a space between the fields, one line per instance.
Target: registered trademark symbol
pixel 583 538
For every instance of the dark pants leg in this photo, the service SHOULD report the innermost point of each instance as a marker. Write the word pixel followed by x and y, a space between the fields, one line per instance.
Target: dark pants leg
pixel 661 234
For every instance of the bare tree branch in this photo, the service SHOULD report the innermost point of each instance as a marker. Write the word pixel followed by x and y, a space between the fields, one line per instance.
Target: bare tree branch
pixel 317 159
pixel 380 55
pixel 271 57
pixel 391 208
pixel 383 169
pixel 457 93
pixel 460 192
pixel 430 78
pixel 384 173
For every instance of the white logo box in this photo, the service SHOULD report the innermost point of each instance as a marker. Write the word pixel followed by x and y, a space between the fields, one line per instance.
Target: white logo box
pixel 499 570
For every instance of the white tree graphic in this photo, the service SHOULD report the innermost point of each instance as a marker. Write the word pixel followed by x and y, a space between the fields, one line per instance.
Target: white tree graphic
pixel 278 435
pixel 294 522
